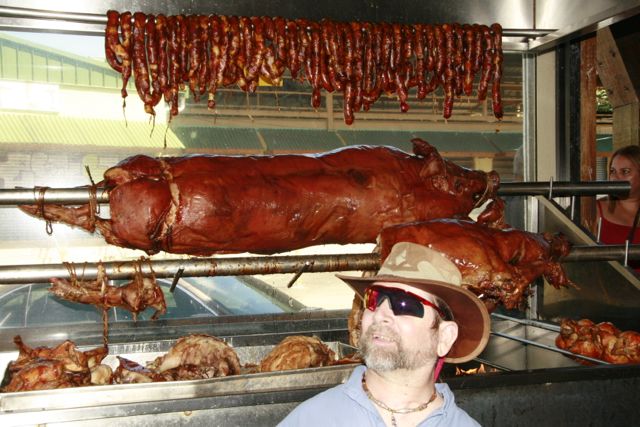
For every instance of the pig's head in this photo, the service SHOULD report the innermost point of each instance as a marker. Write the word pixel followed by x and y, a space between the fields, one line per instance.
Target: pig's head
pixel 472 187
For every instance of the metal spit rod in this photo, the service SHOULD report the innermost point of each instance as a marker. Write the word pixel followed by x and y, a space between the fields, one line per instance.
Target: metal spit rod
pixel 23 12
pixel 222 266
pixel 80 195
pixel 236 266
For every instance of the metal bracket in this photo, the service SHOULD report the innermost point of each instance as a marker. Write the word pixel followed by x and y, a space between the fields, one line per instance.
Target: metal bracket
pixel 176 278
pixel 305 267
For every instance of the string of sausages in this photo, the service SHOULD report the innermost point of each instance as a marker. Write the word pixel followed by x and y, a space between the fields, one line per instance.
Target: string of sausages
pixel 362 60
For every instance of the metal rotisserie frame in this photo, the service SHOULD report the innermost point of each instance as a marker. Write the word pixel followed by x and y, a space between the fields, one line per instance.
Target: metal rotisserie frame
pixel 531 384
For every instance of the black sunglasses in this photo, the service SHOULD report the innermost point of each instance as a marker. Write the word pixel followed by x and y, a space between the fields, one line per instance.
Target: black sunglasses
pixel 402 303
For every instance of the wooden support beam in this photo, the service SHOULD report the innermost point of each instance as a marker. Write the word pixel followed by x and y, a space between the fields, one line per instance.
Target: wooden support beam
pixel 616 77
pixel 588 85
pixel 612 70
pixel 626 125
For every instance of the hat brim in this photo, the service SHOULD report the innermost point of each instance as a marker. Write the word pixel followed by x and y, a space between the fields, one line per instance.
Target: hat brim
pixel 469 312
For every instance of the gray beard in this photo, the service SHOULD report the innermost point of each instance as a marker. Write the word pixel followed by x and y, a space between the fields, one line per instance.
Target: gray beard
pixel 390 359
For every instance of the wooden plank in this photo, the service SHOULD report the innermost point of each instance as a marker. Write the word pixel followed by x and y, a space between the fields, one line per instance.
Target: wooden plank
pixel 626 125
pixel 612 70
pixel 588 85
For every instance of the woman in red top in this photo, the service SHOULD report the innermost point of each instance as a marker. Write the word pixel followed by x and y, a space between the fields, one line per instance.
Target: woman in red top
pixel 618 215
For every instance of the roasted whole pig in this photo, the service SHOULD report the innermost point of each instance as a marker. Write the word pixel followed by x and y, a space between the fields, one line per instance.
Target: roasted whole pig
pixel 599 341
pixel 498 265
pixel 202 205
pixel 44 368
pixel 298 352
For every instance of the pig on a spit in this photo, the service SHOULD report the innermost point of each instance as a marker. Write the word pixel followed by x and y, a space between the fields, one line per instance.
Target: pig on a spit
pixel 201 205
pixel 498 264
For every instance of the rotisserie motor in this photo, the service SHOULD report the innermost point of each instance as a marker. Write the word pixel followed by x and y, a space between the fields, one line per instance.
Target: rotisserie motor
pixel 202 205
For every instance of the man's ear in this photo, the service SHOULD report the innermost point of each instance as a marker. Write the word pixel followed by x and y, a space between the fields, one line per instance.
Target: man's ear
pixel 447 334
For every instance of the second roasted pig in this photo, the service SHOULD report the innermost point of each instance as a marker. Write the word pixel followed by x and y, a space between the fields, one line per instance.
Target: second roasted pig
pixel 498 265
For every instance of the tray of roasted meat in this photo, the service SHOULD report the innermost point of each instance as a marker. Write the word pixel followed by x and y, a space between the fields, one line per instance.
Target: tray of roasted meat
pixel 195 365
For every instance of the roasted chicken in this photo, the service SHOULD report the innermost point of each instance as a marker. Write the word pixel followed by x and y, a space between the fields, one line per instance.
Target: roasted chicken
pixel 599 341
pixel 42 368
pixel 136 296
pixel 130 372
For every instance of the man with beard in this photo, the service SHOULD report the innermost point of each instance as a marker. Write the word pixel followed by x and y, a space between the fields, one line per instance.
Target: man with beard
pixel 417 316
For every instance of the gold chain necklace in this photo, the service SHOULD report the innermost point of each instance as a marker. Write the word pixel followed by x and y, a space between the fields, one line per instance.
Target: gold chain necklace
pixel 393 412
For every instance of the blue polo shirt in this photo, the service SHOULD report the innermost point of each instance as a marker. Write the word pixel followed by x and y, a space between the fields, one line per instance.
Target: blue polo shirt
pixel 348 405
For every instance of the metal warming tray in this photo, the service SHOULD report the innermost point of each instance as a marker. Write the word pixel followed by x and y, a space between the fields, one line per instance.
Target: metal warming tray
pixel 520 353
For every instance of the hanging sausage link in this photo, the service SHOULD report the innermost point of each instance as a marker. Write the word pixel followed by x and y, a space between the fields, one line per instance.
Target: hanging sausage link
pixel 360 60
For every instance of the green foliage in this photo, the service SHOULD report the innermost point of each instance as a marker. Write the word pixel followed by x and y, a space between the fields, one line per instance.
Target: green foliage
pixel 602 100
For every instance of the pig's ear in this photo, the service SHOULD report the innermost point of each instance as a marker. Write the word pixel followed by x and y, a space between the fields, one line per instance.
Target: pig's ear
pixel 433 164
pixel 423 148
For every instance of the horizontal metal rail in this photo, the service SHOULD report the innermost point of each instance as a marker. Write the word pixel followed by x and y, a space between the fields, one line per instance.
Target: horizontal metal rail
pixel 237 266
pixel 80 195
pixel 585 253
pixel 548 347
pixel 527 322
pixel 94 18
pixel 219 266
pixel 563 188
